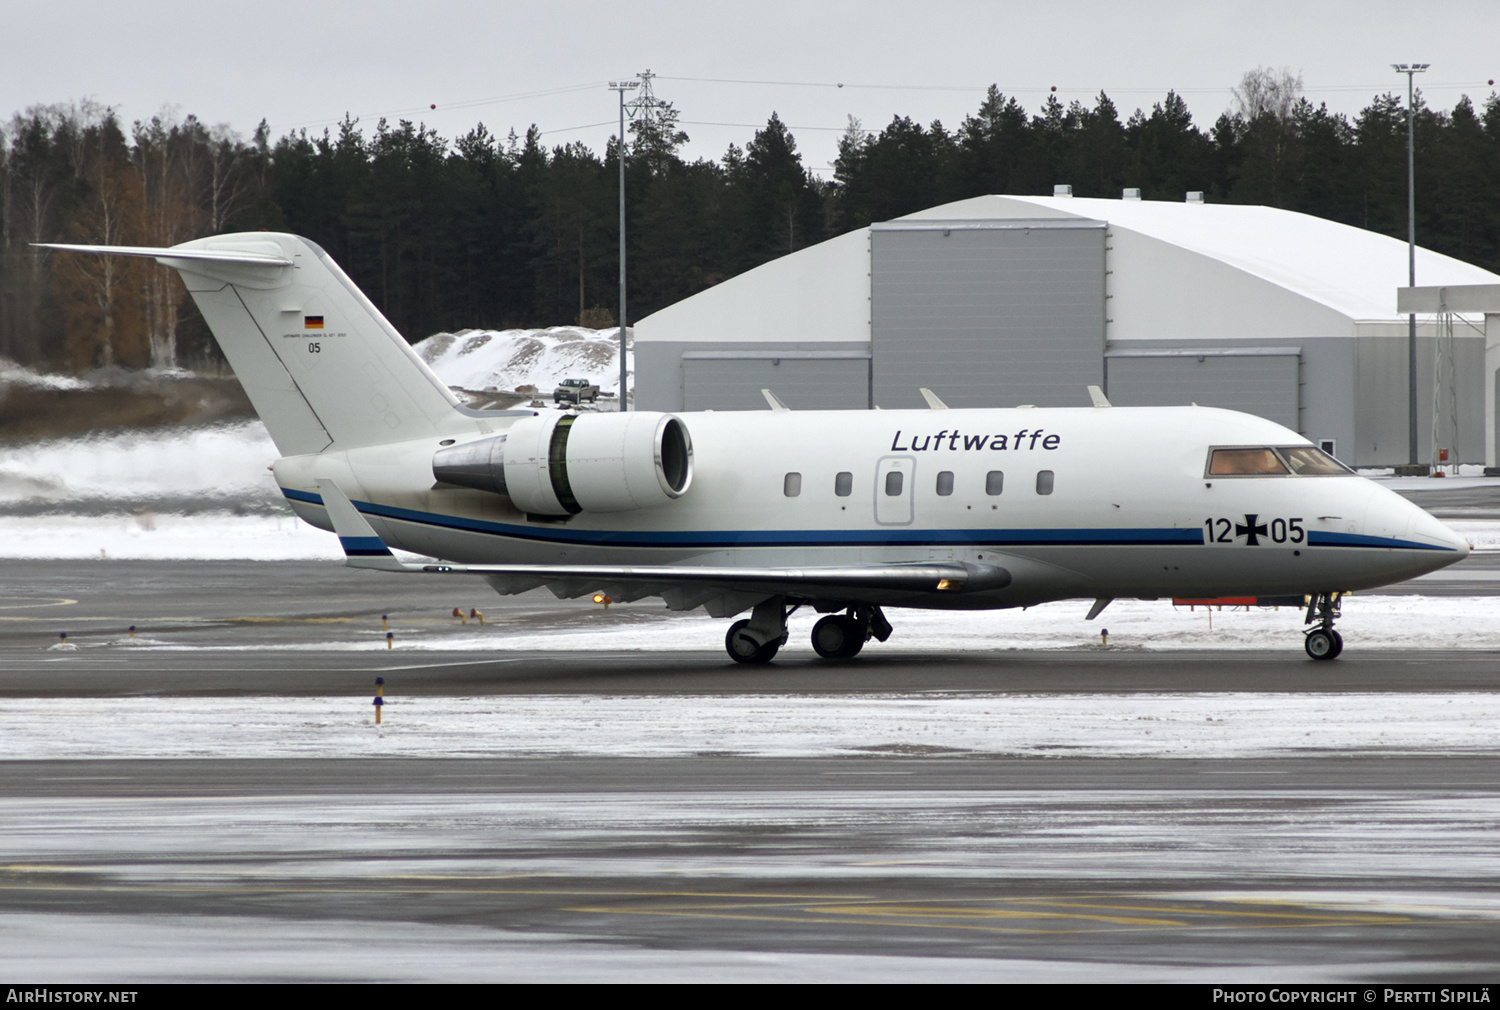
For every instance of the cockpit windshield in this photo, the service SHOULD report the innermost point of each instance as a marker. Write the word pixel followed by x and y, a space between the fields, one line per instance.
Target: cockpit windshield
pixel 1273 461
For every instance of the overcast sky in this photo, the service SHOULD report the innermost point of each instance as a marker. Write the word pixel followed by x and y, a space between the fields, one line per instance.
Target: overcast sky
pixel 725 67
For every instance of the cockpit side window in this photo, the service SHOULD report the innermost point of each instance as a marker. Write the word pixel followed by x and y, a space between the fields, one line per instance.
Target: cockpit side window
pixel 1245 463
pixel 1310 462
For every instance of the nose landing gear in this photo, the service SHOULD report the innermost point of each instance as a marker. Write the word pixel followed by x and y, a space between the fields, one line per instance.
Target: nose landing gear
pixel 1323 642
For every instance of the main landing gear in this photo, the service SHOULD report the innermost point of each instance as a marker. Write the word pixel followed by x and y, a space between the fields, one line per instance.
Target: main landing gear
pixel 841 636
pixel 837 636
pixel 1323 642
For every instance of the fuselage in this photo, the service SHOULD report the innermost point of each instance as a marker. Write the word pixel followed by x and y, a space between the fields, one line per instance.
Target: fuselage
pixel 1089 502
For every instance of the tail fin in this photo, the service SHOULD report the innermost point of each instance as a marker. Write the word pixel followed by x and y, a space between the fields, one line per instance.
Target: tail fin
pixel 322 367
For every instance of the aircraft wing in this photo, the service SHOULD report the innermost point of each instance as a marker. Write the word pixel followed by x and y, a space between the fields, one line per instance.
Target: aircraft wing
pixel 723 590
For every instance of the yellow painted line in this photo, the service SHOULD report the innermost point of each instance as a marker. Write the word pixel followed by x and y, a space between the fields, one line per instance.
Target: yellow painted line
pixel 919 911
pixel 35 601
pixel 815 920
pixel 1235 912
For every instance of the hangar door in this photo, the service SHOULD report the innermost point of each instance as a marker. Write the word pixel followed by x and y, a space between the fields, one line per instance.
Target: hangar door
pixel 1258 380
pixel 988 313
pixel 803 380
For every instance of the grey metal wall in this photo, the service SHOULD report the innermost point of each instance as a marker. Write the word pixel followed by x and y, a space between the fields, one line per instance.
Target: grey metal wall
pixel 986 313
pixel 721 375
pixel 1381 409
pixel 730 380
pixel 1258 380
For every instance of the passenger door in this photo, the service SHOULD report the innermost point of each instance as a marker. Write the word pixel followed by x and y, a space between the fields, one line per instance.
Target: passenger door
pixel 894 486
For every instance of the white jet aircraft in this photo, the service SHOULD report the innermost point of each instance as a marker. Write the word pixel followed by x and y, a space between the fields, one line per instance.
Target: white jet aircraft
pixel 845 512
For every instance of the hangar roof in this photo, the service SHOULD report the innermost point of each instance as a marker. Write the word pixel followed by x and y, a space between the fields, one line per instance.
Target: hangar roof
pixel 1351 271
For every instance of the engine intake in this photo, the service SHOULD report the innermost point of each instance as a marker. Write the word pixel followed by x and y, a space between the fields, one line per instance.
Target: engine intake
pixel 562 464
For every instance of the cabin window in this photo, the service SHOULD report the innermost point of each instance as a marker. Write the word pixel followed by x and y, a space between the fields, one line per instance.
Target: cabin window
pixel 1244 462
pixel 843 484
pixel 791 486
pixel 945 482
pixel 1044 482
pixel 994 482
pixel 893 482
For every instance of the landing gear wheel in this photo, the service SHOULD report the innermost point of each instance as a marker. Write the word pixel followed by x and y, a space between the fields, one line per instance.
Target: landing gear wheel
pixel 838 637
pixel 744 649
pixel 1323 644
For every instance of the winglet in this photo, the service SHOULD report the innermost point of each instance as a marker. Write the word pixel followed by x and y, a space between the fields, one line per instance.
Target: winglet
pixel 1097 395
pixel 362 545
pixel 933 403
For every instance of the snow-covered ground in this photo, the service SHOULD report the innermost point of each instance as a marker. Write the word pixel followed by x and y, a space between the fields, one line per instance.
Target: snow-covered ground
pixel 1200 725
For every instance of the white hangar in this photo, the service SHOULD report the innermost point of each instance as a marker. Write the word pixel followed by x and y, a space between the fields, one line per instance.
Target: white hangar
pixel 1007 300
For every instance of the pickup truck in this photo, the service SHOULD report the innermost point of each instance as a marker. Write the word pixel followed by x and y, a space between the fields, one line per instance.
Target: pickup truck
pixel 575 391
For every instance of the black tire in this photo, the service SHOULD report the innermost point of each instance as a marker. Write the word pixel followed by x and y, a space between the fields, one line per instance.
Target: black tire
pixel 1322 644
pixel 743 649
pixel 838 637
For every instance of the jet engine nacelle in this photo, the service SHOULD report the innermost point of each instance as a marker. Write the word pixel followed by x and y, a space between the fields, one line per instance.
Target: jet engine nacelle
pixel 560 464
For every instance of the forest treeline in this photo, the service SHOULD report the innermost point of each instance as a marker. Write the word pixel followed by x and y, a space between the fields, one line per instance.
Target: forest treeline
pixel 489 231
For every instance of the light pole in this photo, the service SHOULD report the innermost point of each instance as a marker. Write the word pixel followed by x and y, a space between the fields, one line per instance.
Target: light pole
pixel 1411 70
pixel 622 87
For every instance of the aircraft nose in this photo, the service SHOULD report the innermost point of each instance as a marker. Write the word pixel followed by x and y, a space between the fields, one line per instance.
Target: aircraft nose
pixel 1426 529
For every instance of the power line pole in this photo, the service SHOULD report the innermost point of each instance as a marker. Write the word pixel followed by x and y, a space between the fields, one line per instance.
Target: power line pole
pixel 1411 70
pixel 621 87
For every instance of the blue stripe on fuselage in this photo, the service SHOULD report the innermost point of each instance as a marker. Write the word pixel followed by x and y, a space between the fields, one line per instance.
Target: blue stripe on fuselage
pixel 1361 540
pixel 784 538
pixel 1164 537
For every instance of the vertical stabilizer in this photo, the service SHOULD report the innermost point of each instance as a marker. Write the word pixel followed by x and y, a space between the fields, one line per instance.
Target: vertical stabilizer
pixel 322 367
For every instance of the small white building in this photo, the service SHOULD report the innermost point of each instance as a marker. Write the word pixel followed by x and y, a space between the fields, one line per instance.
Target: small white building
pixel 1005 300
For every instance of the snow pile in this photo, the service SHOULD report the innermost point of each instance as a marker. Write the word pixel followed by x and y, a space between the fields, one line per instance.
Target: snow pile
pixel 13 373
pixel 505 360
pixel 220 463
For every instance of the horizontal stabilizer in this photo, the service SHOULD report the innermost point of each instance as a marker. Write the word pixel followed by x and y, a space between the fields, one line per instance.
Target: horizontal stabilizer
pixel 175 253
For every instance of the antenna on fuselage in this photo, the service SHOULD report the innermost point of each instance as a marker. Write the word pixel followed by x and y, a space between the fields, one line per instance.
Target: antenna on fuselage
pixel 1097 395
pixel 774 400
pixel 933 403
